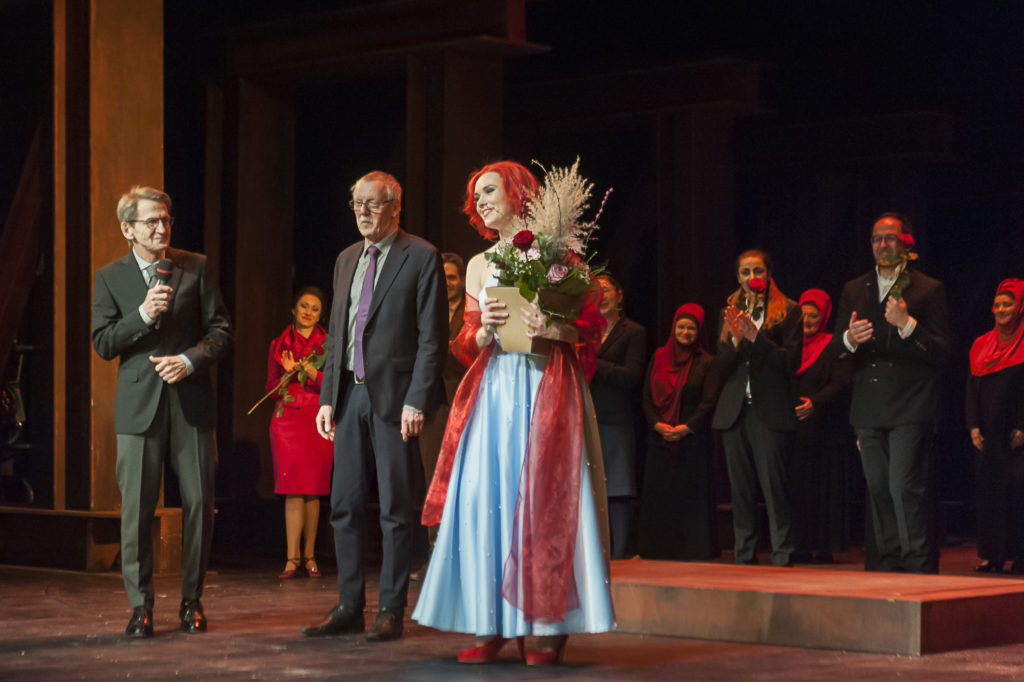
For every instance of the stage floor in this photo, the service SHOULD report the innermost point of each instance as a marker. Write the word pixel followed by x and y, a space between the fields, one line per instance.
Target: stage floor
pixel 59 625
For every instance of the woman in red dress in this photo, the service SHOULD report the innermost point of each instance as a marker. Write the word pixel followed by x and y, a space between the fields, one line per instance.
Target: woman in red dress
pixel 302 459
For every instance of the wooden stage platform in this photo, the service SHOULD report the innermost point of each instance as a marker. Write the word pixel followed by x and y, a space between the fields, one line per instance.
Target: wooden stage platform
pixel 890 613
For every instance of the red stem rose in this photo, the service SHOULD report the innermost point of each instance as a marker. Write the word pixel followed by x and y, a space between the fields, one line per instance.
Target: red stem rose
pixel 522 240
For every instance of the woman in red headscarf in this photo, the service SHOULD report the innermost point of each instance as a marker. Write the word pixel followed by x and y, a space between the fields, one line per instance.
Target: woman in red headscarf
pixel 995 419
pixel 676 508
pixel 823 456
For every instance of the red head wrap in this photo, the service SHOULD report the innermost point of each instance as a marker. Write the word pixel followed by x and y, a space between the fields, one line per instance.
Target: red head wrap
pixel 988 354
pixel 816 342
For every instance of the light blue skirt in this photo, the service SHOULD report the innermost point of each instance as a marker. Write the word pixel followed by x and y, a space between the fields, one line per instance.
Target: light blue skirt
pixel 462 588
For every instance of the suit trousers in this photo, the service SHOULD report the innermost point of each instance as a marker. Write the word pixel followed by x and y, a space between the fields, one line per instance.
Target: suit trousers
pixel 897 468
pixel 755 457
pixel 192 454
pixel 365 444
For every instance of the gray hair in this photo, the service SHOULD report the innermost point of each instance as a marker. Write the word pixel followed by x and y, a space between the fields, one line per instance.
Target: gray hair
pixel 388 180
pixel 128 206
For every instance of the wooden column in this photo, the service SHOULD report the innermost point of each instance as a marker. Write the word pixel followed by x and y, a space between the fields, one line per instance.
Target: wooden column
pixel 453 125
pixel 108 135
pixel 250 233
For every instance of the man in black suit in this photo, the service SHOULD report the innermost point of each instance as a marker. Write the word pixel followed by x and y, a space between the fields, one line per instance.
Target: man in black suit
pixel 894 321
pixel 760 342
pixel 167 327
pixel 382 375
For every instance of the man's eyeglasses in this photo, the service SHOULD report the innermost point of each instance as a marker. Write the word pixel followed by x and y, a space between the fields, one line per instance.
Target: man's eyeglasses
pixel 153 223
pixel 889 239
pixel 374 205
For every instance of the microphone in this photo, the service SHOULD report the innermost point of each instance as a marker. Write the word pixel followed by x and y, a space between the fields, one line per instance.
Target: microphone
pixel 164 270
pixel 162 273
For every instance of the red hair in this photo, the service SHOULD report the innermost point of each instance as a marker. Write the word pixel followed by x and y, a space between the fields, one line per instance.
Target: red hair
pixel 518 183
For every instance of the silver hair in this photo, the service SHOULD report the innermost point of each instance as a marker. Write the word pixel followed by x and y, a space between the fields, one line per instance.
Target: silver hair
pixel 388 180
pixel 128 206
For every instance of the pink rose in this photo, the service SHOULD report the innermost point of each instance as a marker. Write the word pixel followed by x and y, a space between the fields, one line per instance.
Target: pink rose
pixel 757 285
pixel 523 239
pixel 557 272
pixel 907 240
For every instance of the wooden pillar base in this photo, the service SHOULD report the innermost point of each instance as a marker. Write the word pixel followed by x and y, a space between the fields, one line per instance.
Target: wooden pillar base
pixel 81 540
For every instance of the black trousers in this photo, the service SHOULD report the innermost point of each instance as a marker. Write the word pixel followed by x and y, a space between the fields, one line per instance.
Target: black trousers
pixel 901 498
pixel 755 456
pixel 364 444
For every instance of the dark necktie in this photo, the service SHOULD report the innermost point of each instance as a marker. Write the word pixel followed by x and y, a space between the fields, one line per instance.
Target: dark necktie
pixel 150 271
pixel 365 296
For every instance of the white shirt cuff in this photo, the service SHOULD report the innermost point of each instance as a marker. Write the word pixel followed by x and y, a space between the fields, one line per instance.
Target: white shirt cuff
pixel 146 318
pixel 908 328
pixel 188 364
pixel 846 342
pixel 412 409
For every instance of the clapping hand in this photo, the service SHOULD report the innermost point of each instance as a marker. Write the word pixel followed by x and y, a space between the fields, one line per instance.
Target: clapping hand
pixel 288 360
pixel 740 324
pixel 860 330
pixel 805 409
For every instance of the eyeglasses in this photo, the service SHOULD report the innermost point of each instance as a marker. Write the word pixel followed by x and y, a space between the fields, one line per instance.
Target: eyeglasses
pixel 153 223
pixel 374 205
pixel 887 238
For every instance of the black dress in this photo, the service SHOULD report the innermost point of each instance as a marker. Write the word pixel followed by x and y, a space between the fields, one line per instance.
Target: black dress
pixel 824 459
pixel 677 519
pixel 995 404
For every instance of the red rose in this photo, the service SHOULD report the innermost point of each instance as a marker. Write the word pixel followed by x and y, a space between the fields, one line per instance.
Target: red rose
pixel 522 240
pixel 757 285
pixel 907 240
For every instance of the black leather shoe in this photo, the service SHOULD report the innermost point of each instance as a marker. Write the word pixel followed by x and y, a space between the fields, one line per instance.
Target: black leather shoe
pixel 989 567
pixel 193 621
pixel 387 626
pixel 341 620
pixel 141 624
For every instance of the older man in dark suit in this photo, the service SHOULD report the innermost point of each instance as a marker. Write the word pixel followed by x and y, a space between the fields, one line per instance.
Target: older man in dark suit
pixel 894 321
pixel 159 312
pixel 382 375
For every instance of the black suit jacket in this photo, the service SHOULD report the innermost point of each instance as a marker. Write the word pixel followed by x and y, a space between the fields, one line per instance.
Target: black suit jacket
pixel 770 362
pixel 620 371
pixel 404 341
pixel 895 381
pixel 196 325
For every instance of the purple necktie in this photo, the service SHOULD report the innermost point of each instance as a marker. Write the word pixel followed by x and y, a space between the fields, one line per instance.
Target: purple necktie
pixel 365 296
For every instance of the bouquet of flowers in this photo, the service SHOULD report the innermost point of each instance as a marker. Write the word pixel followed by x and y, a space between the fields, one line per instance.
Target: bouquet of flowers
pixel 547 259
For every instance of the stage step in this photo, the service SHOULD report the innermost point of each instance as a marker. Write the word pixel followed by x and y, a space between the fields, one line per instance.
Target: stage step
pixel 891 613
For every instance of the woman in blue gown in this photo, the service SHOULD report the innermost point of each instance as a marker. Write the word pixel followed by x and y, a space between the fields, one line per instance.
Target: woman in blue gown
pixel 496 475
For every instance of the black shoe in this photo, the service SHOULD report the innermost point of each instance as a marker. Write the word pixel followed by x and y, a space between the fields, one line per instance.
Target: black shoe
pixel 387 626
pixel 141 624
pixel 989 567
pixel 193 621
pixel 341 620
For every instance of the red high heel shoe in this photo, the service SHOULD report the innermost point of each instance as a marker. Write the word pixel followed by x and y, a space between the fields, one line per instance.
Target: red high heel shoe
pixel 290 572
pixel 313 572
pixel 548 657
pixel 488 651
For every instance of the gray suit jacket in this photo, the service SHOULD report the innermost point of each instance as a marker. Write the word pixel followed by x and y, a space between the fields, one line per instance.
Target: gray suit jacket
pixel 405 340
pixel 196 325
